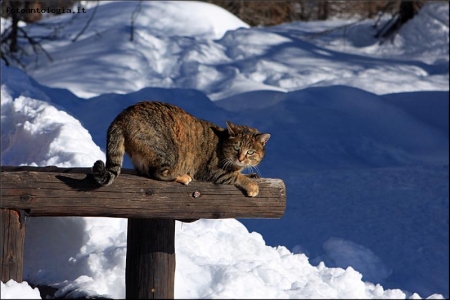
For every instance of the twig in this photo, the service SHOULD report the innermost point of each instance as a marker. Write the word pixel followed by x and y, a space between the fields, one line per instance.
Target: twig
pixel 35 44
pixel 382 13
pixel 86 25
pixel 134 15
pixel 382 32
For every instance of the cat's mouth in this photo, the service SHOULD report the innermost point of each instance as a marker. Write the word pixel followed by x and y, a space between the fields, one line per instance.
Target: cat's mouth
pixel 240 164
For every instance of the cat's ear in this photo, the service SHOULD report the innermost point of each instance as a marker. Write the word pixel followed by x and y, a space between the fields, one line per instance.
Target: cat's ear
pixel 263 138
pixel 231 128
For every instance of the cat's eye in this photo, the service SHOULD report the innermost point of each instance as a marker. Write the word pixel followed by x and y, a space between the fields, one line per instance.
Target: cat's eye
pixel 250 152
pixel 237 148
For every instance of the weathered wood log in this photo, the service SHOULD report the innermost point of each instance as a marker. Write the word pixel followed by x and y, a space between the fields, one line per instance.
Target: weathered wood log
pixel 150 263
pixel 151 208
pixel 13 239
pixel 52 191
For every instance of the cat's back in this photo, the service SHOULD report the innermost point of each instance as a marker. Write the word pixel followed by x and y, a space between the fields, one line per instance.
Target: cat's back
pixel 155 114
pixel 161 120
pixel 154 111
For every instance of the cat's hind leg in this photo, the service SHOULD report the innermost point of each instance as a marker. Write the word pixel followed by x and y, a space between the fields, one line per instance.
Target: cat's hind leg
pixel 159 171
pixel 167 174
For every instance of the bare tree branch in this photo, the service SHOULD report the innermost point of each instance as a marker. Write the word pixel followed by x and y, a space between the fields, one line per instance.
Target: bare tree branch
pixel 36 45
pixel 86 25
pixel 134 16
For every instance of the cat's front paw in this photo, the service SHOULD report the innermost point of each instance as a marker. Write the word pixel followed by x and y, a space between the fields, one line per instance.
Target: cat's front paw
pixel 184 179
pixel 252 189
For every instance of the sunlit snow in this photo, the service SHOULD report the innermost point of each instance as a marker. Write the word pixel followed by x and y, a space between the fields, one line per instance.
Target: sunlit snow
pixel 359 134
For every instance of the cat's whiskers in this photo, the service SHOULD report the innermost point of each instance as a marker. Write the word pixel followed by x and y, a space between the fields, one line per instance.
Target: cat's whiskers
pixel 225 163
pixel 256 169
pixel 228 164
pixel 251 168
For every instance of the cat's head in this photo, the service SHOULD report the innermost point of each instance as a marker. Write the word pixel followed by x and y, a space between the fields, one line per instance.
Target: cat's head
pixel 244 147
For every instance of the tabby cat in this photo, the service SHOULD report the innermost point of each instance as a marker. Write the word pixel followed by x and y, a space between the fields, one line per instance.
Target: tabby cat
pixel 167 143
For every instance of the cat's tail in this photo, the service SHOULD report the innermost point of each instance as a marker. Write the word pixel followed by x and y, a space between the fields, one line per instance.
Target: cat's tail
pixel 115 150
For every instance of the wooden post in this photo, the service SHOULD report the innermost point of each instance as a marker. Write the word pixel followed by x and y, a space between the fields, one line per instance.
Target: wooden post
pixel 13 239
pixel 150 263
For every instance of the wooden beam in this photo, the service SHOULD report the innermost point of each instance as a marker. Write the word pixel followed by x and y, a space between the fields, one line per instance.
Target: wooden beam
pixel 52 191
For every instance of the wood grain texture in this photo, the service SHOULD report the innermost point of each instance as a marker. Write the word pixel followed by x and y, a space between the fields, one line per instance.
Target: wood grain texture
pixel 13 239
pixel 150 262
pixel 52 191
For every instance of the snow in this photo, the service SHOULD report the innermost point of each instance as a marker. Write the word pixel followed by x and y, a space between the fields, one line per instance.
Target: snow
pixel 14 290
pixel 60 137
pixel 359 134
pixel 234 59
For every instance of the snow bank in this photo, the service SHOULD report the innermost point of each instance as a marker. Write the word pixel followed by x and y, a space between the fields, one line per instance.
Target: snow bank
pixel 222 57
pixel 55 138
pixel 14 290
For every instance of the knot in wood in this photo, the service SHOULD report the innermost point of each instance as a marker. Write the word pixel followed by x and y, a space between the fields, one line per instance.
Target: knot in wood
pixel 25 197
pixel 148 192
pixel 196 194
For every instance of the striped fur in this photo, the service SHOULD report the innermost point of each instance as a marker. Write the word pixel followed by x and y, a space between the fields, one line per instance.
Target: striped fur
pixel 166 143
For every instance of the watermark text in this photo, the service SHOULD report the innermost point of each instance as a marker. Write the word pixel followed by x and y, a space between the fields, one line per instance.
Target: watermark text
pixel 46 10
